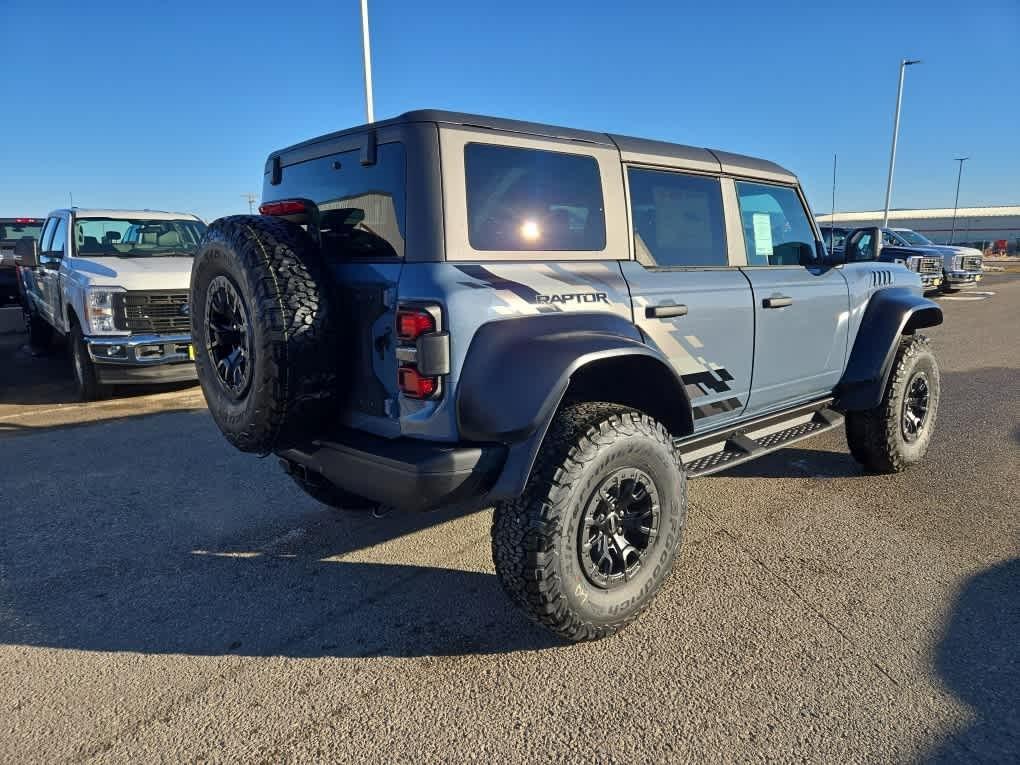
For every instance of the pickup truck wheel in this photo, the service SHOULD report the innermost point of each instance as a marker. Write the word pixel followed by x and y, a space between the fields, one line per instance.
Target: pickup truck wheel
pixel 896 434
pixel 40 333
pixel 262 325
pixel 84 369
pixel 593 537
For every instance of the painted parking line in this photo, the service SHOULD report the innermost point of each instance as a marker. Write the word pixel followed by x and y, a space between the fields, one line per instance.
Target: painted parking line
pixel 969 296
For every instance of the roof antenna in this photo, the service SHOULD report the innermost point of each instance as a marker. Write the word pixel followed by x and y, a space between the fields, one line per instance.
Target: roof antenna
pixel 70 198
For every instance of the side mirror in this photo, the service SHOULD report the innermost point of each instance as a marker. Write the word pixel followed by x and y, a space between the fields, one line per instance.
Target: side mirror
pixel 864 244
pixel 824 255
pixel 26 252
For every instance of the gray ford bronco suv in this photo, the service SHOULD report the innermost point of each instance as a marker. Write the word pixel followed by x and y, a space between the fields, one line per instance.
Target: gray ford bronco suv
pixel 444 309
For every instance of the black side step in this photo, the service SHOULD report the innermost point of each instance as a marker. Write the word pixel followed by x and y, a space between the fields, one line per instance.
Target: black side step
pixel 740 447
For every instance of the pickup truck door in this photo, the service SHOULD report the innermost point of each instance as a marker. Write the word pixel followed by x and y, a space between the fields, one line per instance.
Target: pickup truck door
pixel 689 301
pixel 801 304
pixel 48 273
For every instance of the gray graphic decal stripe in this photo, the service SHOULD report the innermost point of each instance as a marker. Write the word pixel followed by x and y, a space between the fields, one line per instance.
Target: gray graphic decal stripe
pixel 717 407
pixel 708 380
pixel 523 291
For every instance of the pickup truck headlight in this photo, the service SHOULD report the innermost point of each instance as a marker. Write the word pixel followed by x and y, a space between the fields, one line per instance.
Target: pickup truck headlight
pixel 99 310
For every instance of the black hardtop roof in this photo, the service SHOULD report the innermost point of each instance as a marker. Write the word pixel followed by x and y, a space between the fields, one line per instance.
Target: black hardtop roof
pixel 632 149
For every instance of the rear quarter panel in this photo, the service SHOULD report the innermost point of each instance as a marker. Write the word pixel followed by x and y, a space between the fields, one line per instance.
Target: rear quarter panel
pixel 474 294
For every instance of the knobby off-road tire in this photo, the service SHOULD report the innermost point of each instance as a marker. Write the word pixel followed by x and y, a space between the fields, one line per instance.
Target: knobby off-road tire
pixel 888 438
pixel 538 540
pixel 262 324
pixel 86 379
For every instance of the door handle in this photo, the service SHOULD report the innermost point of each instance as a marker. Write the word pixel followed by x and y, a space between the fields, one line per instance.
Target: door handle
pixel 777 302
pixel 665 311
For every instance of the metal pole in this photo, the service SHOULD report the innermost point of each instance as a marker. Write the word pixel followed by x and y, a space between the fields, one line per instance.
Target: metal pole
pixel 366 50
pixel 833 221
pixel 956 204
pixel 895 135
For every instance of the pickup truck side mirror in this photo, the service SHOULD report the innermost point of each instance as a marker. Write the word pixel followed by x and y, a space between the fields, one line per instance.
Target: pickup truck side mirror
pixel 26 252
pixel 863 244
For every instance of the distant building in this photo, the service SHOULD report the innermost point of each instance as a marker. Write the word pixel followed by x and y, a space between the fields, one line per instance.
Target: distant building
pixel 991 229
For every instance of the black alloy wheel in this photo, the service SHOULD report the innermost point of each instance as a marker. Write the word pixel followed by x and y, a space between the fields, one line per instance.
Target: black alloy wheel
pixel 915 407
pixel 619 527
pixel 228 336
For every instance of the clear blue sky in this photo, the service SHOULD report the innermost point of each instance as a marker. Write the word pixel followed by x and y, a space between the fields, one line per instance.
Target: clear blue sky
pixel 176 106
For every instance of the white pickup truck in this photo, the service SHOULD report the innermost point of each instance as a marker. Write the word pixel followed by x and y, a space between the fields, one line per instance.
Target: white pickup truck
pixel 115 282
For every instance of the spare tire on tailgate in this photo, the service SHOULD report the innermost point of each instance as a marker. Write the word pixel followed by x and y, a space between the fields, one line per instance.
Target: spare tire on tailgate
pixel 264 332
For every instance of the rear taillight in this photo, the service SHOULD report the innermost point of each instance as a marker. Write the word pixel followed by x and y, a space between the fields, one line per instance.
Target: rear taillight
pixel 284 208
pixel 412 323
pixel 414 384
pixel 423 350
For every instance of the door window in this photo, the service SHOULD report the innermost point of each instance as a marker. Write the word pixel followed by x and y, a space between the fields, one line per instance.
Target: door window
pixel 677 219
pixel 59 243
pixel 47 234
pixel 527 199
pixel 777 231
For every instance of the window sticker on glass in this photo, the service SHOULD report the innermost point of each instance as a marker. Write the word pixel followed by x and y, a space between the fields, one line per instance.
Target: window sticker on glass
pixel 762 234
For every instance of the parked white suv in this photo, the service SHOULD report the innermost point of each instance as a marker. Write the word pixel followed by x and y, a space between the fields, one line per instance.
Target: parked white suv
pixel 115 282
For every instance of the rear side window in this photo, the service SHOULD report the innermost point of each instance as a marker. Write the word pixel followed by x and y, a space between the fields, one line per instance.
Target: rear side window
pixel 528 199
pixel 361 207
pixel 776 227
pixel 678 219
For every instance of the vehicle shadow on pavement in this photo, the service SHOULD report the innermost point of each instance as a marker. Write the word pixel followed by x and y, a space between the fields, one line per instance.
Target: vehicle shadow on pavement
pixel 797 463
pixel 978 660
pixel 322 590
pixel 45 377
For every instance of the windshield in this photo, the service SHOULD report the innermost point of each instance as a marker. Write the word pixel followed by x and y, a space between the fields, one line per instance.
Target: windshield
pixel 129 238
pixel 18 230
pixel 834 237
pixel 912 237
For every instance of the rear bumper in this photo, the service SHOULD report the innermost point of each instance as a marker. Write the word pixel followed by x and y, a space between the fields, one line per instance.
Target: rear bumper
pixel 127 359
pixel 405 473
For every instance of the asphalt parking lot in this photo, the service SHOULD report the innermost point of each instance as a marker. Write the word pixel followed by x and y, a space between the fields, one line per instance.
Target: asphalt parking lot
pixel 163 597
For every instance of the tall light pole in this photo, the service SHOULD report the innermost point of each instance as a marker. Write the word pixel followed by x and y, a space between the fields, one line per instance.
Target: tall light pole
pixel 895 134
pixel 250 197
pixel 366 52
pixel 956 204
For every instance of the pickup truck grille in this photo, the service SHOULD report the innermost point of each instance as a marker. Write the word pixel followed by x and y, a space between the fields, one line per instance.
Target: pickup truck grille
pixel 971 263
pixel 158 311
pixel 930 266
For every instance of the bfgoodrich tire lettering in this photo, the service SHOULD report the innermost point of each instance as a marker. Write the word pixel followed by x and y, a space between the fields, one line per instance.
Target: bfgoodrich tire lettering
pixel 537 540
pixel 274 270
pixel 890 438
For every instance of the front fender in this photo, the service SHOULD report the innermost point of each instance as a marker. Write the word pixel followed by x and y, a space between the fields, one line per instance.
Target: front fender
pixel 891 313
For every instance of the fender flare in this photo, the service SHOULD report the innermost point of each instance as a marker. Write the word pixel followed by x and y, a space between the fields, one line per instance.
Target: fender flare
pixel 891 314
pixel 517 371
